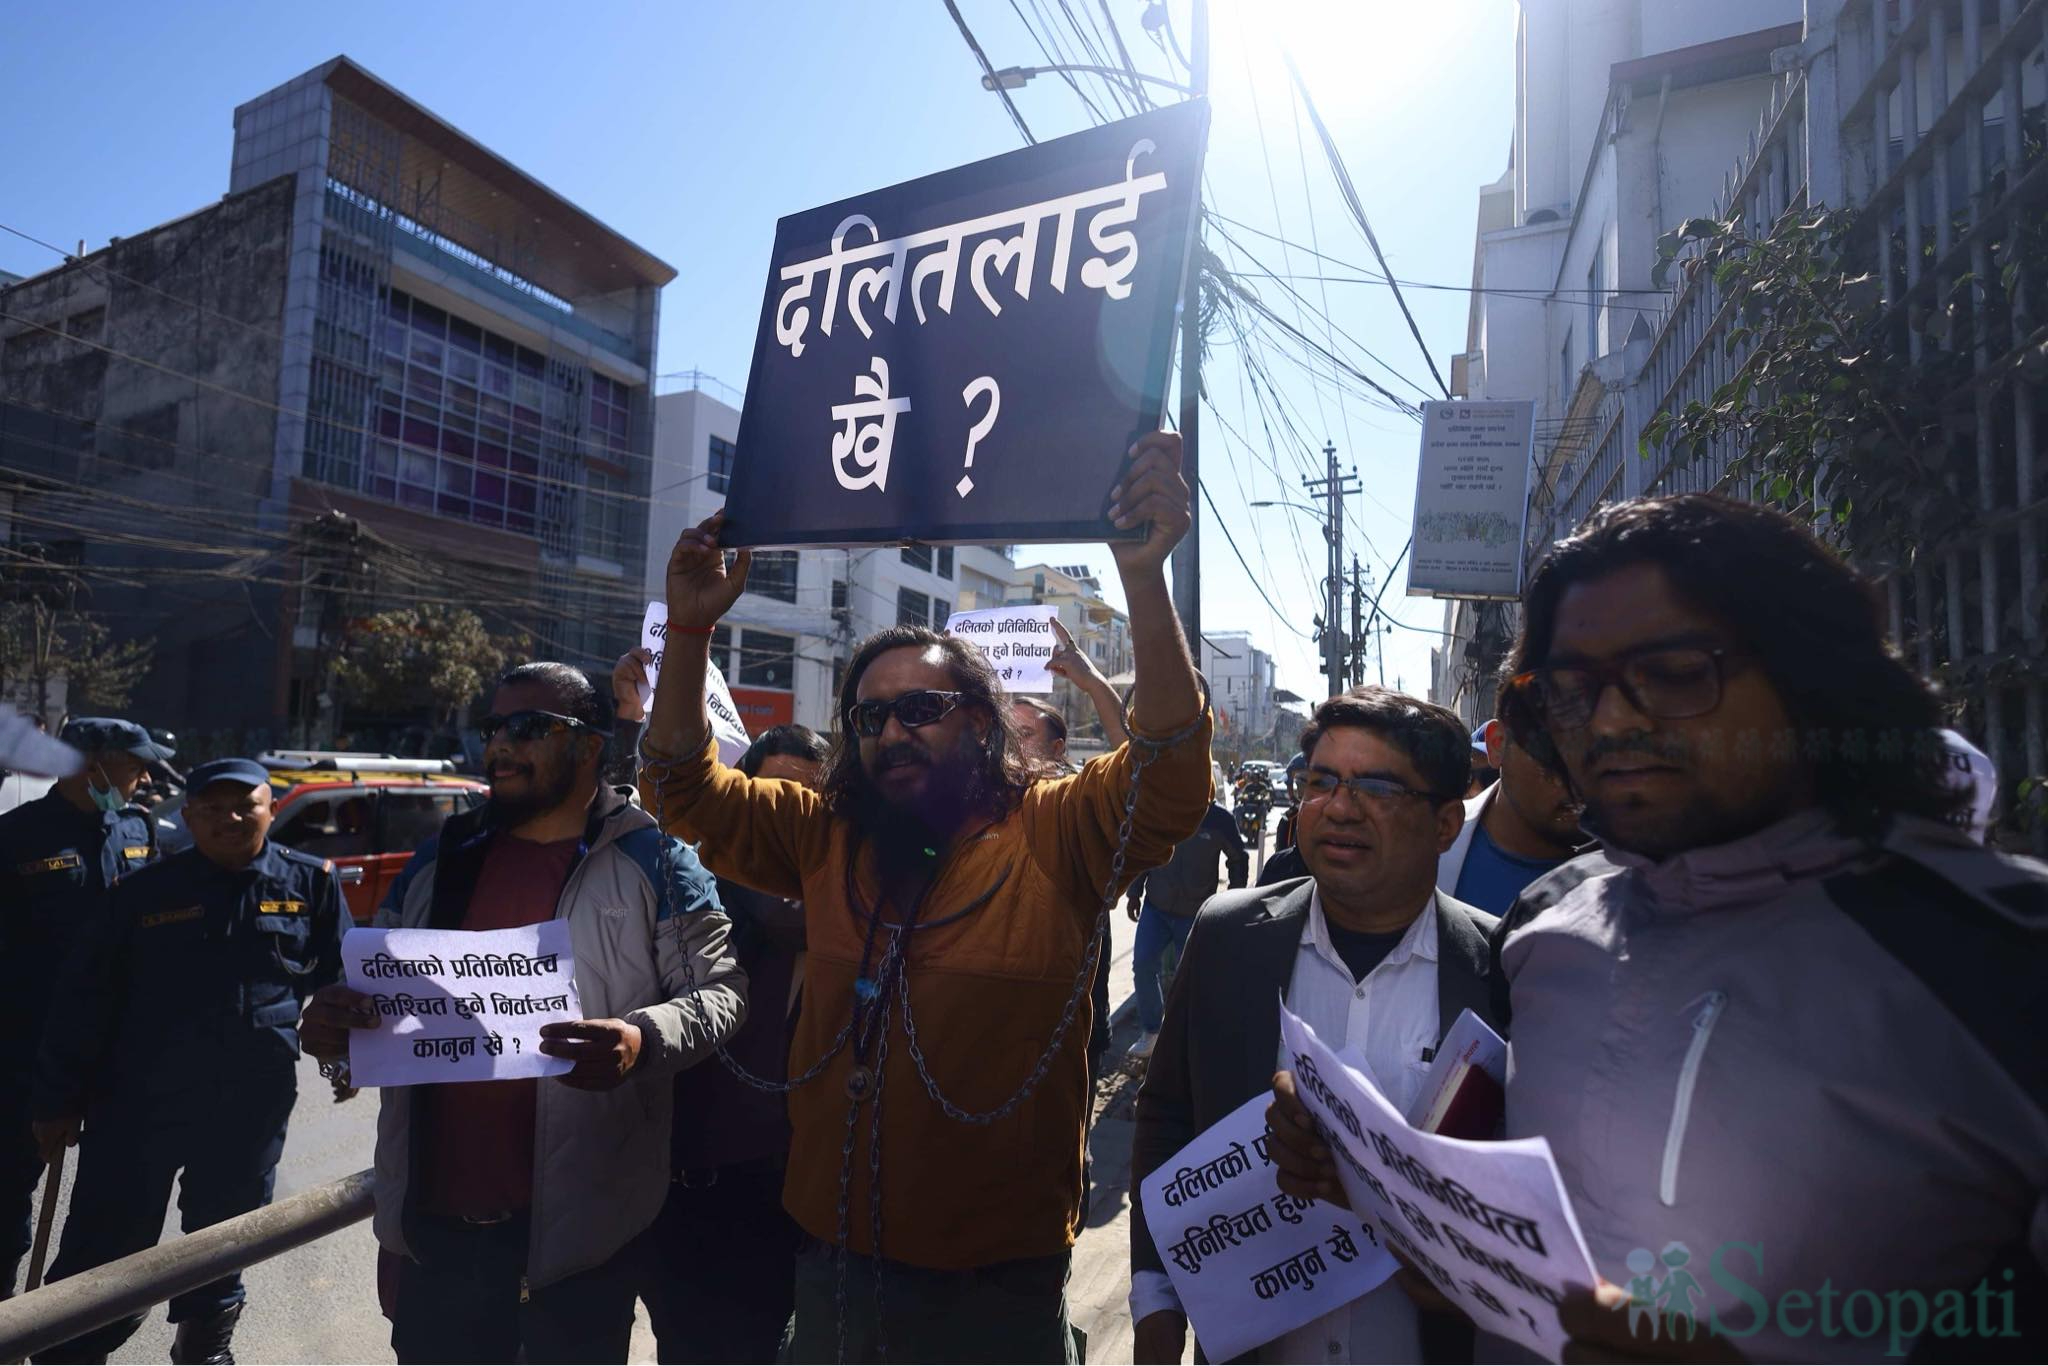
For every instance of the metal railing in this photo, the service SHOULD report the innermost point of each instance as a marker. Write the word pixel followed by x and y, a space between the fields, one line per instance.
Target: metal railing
pixel 62 1310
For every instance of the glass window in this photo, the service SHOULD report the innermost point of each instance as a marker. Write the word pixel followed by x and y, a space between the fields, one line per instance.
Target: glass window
pixel 918 556
pixel 945 562
pixel 941 609
pixel 774 575
pixel 721 649
pixel 767 660
pixel 719 475
pixel 406 820
pixel 327 824
pixel 913 608
pixel 838 595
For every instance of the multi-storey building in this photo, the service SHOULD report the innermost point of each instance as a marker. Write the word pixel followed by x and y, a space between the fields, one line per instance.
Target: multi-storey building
pixel 381 319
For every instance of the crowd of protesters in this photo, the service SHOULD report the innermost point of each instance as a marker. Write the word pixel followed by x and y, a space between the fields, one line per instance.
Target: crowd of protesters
pixel 845 999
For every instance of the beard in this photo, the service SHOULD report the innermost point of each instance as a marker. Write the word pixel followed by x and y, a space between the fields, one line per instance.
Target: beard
pixel 549 786
pixel 909 832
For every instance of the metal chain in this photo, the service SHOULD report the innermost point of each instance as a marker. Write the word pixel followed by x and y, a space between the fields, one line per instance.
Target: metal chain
pixel 894 961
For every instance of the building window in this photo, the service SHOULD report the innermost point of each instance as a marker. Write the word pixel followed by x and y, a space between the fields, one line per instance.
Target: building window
pixel 912 608
pixel 918 556
pixel 1593 305
pixel 719 476
pixel 941 609
pixel 773 575
pixel 604 516
pixel 945 562
pixel 721 649
pixel 839 595
pixel 767 660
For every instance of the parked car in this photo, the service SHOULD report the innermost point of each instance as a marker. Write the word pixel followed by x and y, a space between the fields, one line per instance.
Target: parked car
pixel 367 812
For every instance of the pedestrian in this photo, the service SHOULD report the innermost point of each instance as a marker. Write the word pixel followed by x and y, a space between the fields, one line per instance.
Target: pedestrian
pixel 59 853
pixel 730 1144
pixel 1518 828
pixel 1791 1032
pixel 1042 737
pixel 954 901
pixel 1164 902
pixel 172 1039
pixel 465 1170
pixel 1366 949
pixel 1485 770
pixel 1283 830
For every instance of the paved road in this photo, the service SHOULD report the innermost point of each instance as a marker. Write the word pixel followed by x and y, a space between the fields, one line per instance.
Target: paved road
pixel 319 1303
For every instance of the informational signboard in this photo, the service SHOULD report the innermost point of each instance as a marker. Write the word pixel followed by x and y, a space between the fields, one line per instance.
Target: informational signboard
pixel 726 724
pixel 1472 499
pixel 459 1005
pixel 1017 640
pixel 1488 1223
pixel 1248 1262
pixel 969 356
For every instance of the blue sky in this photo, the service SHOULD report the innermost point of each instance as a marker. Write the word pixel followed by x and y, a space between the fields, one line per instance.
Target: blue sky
pixel 691 127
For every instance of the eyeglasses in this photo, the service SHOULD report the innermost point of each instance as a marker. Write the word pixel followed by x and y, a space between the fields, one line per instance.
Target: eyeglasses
pixel 1664 684
pixel 913 709
pixel 524 726
pixel 1319 786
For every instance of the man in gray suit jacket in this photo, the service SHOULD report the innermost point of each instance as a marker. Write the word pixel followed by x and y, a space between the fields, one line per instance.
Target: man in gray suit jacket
pixel 1365 949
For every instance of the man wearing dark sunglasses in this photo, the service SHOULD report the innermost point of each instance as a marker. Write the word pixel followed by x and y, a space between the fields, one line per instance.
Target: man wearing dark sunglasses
pixel 465 1169
pixel 1792 1019
pixel 952 888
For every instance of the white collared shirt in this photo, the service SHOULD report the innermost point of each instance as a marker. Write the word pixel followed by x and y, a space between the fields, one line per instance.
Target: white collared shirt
pixel 1385 1022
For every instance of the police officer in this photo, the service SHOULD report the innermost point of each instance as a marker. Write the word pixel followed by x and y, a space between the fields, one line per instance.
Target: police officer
pixel 174 1040
pixel 58 855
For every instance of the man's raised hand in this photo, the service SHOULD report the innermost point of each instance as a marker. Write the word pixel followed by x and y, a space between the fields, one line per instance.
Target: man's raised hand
pixel 1152 490
pixel 701 588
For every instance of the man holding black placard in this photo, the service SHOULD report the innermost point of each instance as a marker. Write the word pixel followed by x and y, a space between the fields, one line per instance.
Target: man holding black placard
pixel 952 895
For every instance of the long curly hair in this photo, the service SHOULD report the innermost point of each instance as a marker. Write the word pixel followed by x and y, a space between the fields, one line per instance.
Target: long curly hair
pixel 1868 724
pixel 1004 771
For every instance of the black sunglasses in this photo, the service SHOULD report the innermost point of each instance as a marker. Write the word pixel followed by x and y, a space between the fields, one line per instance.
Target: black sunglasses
pixel 913 709
pixel 524 726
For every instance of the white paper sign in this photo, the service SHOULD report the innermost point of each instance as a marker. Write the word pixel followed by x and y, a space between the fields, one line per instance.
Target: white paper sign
pixel 1489 1223
pixel 726 726
pixel 459 1005
pixel 1017 640
pixel 1249 1262
pixel 1472 499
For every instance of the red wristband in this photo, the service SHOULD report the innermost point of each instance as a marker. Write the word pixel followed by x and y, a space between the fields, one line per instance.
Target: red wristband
pixel 675 630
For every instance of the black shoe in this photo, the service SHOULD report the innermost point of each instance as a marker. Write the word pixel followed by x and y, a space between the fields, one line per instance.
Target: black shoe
pixel 205 1342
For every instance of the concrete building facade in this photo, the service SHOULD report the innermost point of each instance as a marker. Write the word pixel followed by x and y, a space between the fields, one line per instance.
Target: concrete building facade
pixel 388 367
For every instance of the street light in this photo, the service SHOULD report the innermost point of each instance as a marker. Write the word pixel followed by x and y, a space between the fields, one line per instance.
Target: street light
pixel 1015 77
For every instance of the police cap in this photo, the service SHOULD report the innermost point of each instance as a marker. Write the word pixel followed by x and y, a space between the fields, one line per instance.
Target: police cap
pixel 247 772
pixel 98 734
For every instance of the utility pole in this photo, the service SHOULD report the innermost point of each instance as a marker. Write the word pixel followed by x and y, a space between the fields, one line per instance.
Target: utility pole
pixel 1333 486
pixel 1187 557
pixel 1360 641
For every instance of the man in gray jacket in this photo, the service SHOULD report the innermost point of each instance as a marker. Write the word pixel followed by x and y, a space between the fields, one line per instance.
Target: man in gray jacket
pixel 1784 1039
pixel 514 1206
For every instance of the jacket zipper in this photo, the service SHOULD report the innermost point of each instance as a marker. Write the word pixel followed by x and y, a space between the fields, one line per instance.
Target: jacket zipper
pixel 1710 1006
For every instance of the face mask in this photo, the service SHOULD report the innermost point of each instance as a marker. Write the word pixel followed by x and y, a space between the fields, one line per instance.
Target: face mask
pixel 106 798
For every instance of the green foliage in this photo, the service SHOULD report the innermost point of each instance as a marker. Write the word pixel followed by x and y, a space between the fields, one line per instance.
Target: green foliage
pixel 44 642
pixel 413 659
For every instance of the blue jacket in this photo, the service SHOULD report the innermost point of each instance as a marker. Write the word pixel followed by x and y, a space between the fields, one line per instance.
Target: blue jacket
pixel 193 973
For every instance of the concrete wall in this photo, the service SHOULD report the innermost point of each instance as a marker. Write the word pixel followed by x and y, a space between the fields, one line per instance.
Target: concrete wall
pixel 1670 24
pixel 200 299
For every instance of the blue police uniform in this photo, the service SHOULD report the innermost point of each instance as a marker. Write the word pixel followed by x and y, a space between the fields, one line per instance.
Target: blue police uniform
pixel 175 1035
pixel 56 864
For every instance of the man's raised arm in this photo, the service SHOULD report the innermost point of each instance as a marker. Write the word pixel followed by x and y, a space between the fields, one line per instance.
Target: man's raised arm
pixel 701 589
pixel 1154 491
